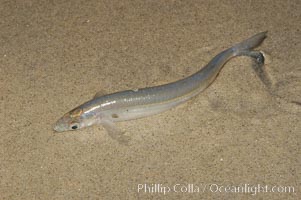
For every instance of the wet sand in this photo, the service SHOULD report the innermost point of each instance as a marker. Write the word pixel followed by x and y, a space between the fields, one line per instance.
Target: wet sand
pixel 57 55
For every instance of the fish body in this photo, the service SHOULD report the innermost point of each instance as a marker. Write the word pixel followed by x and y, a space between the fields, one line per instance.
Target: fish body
pixel 133 104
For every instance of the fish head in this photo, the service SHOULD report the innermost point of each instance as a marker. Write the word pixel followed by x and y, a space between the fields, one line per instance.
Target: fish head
pixel 72 120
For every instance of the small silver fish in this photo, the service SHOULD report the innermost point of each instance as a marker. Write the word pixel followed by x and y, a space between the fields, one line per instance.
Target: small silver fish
pixel 133 104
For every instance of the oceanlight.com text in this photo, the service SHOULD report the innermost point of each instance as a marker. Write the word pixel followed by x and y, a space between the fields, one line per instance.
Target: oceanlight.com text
pixel 253 189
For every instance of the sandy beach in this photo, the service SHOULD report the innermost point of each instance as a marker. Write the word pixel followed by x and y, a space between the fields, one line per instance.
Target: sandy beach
pixel 239 139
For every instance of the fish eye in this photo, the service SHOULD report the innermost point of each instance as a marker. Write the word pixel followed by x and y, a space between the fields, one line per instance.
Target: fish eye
pixel 74 127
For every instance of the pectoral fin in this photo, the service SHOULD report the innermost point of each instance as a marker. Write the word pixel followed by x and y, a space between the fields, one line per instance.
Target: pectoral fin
pixel 115 133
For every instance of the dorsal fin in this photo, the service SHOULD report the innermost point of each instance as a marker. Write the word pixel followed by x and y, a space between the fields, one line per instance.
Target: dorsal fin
pixel 99 94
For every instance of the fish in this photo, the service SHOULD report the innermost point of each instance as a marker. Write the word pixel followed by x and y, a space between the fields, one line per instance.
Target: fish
pixel 108 109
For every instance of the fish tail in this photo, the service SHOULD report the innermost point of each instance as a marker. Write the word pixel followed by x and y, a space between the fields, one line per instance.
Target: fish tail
pixel 249 43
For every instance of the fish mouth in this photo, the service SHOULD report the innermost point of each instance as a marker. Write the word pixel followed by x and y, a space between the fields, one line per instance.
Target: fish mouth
pixel 59 126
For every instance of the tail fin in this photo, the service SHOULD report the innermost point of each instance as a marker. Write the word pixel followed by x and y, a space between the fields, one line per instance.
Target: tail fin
pixel 249 43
